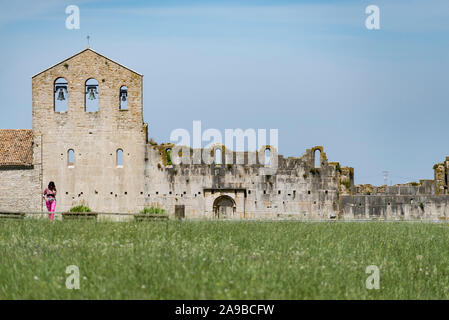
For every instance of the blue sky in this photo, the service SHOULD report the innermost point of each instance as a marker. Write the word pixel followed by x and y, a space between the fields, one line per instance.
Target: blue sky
pixel 376 100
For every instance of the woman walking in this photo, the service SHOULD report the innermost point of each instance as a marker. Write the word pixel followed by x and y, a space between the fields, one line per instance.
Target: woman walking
pixel 50 199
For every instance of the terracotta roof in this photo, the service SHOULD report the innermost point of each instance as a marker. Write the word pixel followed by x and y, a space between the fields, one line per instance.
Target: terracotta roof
pixel 16 147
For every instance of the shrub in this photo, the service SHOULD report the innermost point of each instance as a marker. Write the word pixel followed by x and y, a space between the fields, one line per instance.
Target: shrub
pixel 347 184
pixel 421 205
pixel 153 210
pixel 80 208
pixel 168 154
pixel 338 168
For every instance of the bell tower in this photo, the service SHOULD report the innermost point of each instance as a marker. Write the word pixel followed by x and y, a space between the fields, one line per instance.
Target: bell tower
pixel 88 120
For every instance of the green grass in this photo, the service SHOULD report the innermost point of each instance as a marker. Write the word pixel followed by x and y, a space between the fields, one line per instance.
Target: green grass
pixel 153 210
pixel 223 260
pixel 80 208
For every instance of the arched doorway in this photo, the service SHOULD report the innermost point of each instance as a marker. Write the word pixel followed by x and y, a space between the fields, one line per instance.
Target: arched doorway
pixel 224 207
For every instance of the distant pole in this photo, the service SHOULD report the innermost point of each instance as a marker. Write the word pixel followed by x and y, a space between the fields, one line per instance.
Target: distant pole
pixel 88 41
pixel 385 173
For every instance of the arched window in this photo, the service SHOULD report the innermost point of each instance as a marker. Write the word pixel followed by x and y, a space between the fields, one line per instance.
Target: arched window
pixel 317 158
pixel 71 158
pixel 168 156
pixel 218 156
pixel 61 95
pixel 123 98
pixel 119 158
pixel 91 95
pixel 267 157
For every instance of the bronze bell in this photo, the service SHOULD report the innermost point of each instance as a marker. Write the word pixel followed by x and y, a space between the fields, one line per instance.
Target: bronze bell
pixel 124 94
pixel 91 94
pixel 61 95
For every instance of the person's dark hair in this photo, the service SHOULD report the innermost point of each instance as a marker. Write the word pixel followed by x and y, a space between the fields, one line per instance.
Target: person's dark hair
pixel 52 186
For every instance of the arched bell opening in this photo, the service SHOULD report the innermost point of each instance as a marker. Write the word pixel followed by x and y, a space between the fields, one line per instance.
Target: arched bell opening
pixel 61 95
pixel 123 98
pixel 91 96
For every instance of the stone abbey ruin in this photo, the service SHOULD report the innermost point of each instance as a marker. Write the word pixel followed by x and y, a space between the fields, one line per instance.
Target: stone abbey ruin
pixel 100 155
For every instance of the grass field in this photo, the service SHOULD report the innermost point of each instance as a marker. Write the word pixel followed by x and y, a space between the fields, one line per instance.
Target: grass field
pixel 223 260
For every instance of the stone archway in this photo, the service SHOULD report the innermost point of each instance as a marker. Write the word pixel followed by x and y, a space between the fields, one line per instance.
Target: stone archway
pixel 224 207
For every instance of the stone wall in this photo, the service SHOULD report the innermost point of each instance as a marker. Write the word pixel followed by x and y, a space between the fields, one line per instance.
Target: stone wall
pixel 424 200
pixel 21 187
pixel 425 187
pixel 395 207
pixel 20 190
pixel 441 173
pixel 295 189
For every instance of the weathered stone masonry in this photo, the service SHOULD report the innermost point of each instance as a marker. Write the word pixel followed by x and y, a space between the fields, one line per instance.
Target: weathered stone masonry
pixel 20 182
pixel 295 189
pixel 300 187
pixel 95 137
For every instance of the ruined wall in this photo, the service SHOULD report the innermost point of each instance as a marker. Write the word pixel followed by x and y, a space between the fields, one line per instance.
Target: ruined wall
pixel 296 189
pixel 395 207
pixel 441 172
pixel 424 187
pixel 410 201
pixel 94 179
